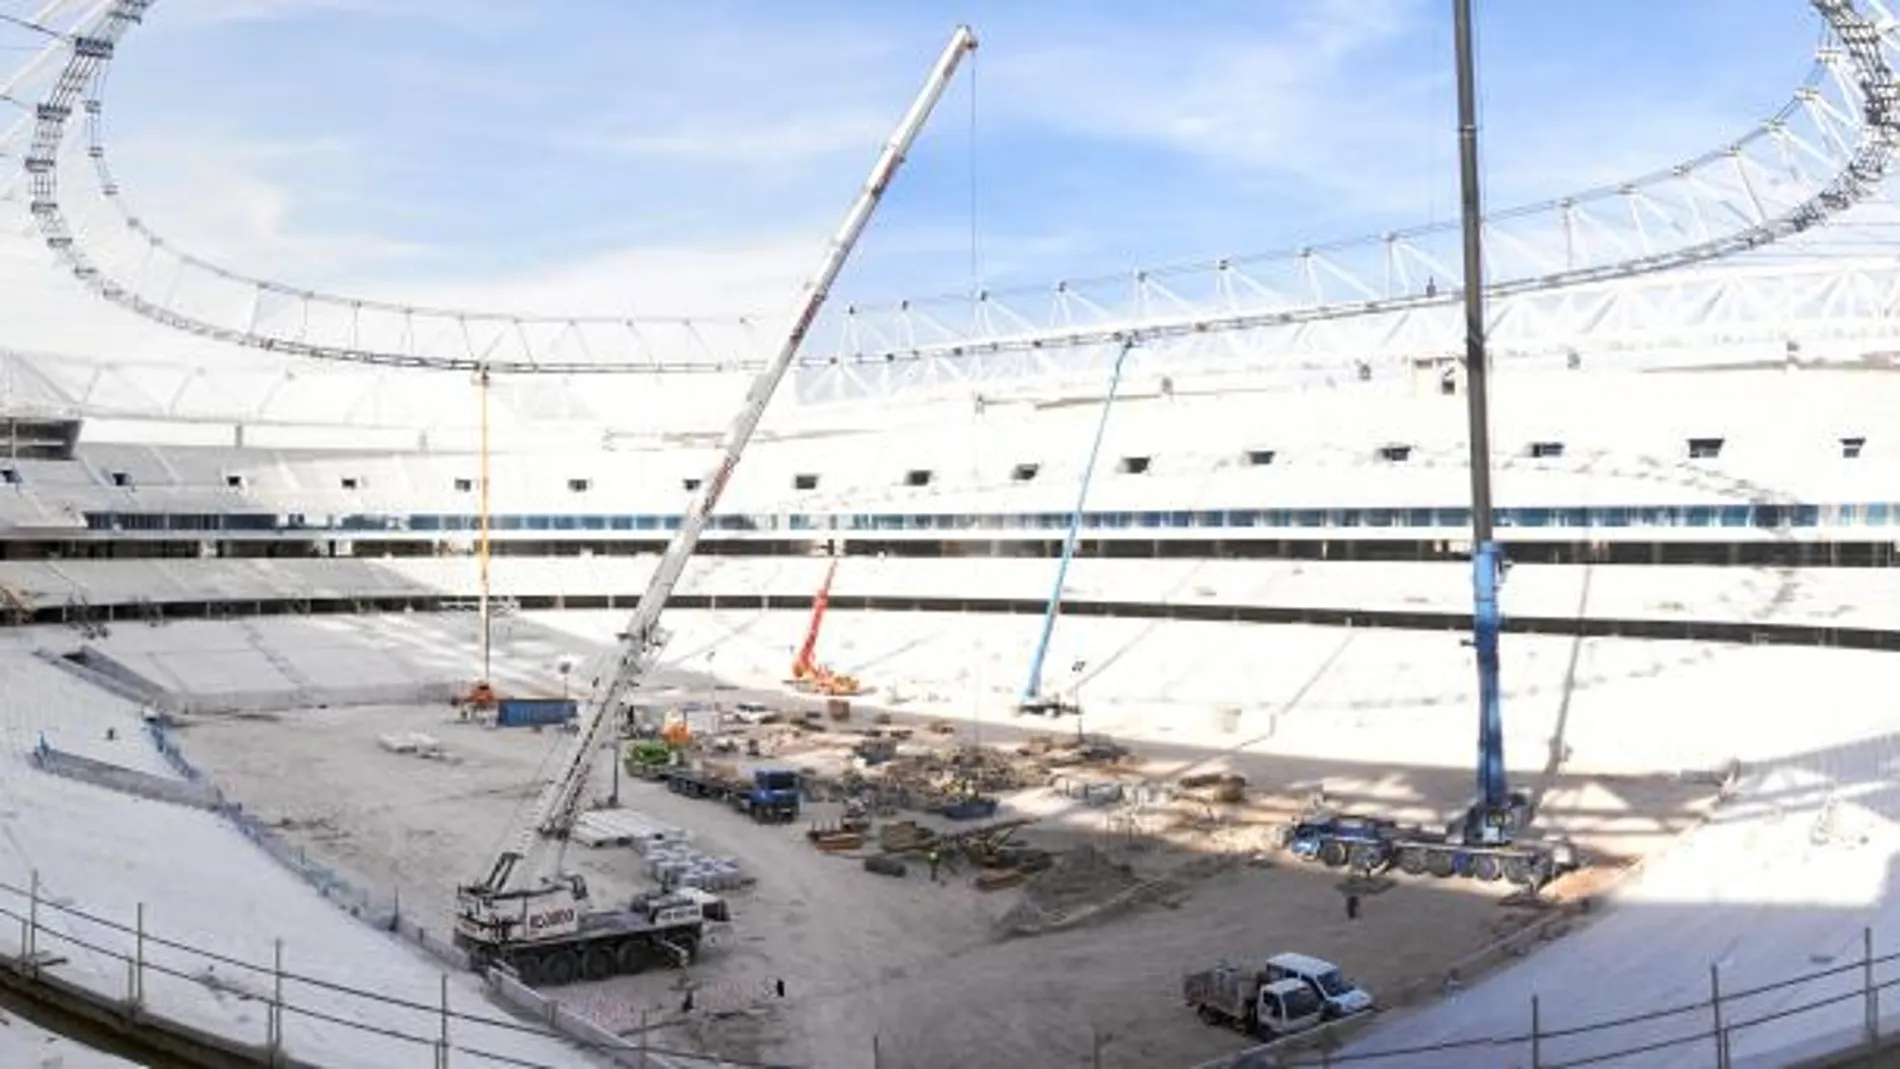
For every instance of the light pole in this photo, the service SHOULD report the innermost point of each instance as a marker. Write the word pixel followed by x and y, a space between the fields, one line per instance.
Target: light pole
pixel 1075 694
pixel 613 795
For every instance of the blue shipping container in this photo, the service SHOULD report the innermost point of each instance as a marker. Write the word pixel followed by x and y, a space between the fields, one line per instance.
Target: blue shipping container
pixel 529 712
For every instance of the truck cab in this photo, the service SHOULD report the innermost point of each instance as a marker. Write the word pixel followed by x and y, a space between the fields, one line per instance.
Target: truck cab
pixel 1338 995
pixel 774 795
pixel 1284 1007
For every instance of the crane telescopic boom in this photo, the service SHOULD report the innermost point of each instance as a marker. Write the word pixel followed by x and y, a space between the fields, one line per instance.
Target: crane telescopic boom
pixel 640 645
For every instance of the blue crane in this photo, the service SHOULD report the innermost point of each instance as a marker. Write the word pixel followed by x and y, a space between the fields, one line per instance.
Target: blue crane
pixel 1033 700
pixel 1488 842
pixel 1499 813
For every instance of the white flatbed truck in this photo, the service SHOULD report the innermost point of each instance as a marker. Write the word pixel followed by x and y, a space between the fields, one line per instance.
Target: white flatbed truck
pixel 1245 999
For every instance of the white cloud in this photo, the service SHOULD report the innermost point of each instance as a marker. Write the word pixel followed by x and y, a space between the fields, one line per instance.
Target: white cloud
pixel 1297 103
pixel 710 138
pixel 219 199
pixel 205 12
pixel 472 14
pixel 762 275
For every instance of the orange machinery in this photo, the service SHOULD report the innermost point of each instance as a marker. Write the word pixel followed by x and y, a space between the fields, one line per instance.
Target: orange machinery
pixel 808 674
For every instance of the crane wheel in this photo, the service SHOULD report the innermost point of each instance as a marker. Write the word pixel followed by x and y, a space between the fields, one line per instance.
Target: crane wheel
pixel 530 971
pixel 1365 858
pixel 1440 864
pixel 1518 870
pixel 689 944
pixel 598 963
pixel 562 967
pixel 1333 854
pixel 1412 861
pixel 1486 867
pixel 630 957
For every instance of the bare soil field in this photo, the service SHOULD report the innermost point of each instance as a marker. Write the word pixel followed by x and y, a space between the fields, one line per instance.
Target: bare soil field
pixel 930 974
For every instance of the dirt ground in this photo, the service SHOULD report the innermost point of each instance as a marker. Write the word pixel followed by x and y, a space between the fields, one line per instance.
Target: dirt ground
pixel 927 974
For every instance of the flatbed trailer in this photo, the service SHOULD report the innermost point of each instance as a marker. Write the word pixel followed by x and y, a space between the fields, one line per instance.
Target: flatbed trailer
pixel 769 797
pixel 1373 844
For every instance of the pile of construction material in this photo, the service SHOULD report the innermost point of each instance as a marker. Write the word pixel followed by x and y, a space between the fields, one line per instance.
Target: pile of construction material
pixel 674 864
pixel 991 848
pixel 933 780
pixel 625 827
pixel 413 742
pixel 1070 750
pixel 1224 788
pixel 1105 792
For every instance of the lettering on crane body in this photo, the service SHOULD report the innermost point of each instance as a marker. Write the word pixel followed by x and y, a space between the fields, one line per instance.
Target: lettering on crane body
pixel 672 915
pixel 553 918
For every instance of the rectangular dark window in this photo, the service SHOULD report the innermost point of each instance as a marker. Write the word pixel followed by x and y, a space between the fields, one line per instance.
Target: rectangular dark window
pixel 351 482
pixel 1395 454
pixel 1851 447
pixel 234 482
pixel 1024 472
pixel 690 485
pixel 1705 448
pixel 463 486
pixel 1259 458
pixel 578 486
pixel 804 482
pixel 917 477
pixel 1134 465
pixel 122 478
pixel 1546 450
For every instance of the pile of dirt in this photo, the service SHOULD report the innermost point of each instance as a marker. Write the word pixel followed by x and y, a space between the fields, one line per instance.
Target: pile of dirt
pixel 1076 880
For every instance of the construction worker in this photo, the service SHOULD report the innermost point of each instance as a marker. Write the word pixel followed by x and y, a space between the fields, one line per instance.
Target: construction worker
pixel 1352 907
pixel 936 859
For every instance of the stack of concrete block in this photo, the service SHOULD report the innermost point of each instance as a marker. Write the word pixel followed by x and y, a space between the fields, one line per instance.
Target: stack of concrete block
pixel 675 864
pixel 624 827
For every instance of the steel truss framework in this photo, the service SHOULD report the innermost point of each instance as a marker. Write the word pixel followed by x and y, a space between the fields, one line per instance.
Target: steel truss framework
pixel 1607 269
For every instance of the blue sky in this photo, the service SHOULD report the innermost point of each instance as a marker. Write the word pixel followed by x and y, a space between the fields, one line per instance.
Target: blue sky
pixel 696 153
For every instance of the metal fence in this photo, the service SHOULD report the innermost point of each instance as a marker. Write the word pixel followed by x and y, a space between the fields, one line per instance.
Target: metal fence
pixel 52 928
pixel 1710 1024
pixel 387 915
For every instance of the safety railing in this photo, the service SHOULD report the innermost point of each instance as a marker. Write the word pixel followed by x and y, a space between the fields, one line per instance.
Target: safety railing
pixel 53 930
pixel 1710 1024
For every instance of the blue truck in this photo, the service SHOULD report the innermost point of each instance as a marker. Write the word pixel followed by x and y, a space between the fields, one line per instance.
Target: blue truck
pixel 771 796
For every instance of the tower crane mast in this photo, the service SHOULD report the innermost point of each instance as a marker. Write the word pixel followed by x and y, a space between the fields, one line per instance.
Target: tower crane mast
pixel 525 908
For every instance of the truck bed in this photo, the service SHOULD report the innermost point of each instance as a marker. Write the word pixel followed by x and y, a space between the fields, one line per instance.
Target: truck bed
pixel 1227 989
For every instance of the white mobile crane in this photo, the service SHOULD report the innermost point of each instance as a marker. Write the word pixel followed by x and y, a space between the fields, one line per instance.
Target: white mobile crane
pixel 529 913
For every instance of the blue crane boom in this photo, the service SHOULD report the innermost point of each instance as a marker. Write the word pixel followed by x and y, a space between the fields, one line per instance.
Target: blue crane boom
pixel 1488 841
pixel 1032 699
pixel 1497 815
